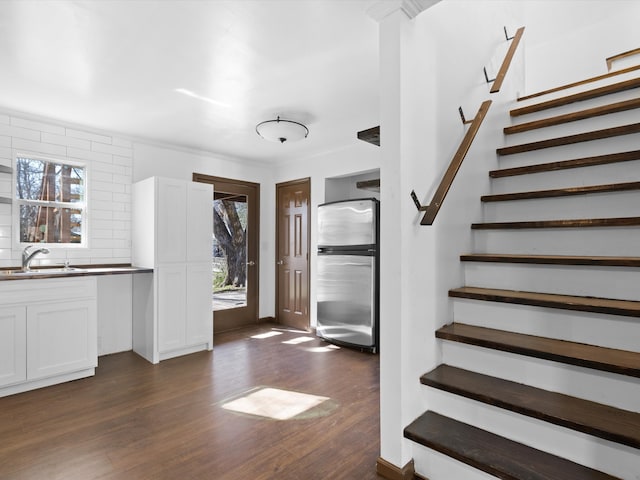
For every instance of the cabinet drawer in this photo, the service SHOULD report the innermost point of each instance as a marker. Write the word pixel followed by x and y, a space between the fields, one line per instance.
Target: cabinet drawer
pixel 46 290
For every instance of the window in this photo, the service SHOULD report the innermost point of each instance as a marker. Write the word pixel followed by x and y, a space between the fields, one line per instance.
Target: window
pixel 50 201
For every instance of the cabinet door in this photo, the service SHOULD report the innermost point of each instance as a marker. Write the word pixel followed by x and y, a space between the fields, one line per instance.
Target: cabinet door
pixel 61 338
pixel 13 345
pixel 171 300
pixel 199 304
pixel 171 220
pixel 199 222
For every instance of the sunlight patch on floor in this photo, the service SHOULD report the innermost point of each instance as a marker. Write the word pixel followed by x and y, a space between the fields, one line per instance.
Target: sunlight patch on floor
pixel 261 336
pixel 278 404
pixel 298 340
pixel 328 348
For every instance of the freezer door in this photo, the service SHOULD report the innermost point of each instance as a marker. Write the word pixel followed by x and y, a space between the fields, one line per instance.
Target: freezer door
pixel 351 222
pixel 346 299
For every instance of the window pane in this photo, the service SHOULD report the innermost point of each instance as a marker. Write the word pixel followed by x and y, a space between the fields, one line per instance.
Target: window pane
pixel 229 251
pixel 50 225
pixel 49 181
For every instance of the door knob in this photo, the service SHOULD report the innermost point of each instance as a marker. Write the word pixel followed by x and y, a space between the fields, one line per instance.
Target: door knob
pixel 280 262
pixel 251 263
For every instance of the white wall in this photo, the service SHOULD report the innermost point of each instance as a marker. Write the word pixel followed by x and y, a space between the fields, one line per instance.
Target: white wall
pixel 430 65
pixel 569 40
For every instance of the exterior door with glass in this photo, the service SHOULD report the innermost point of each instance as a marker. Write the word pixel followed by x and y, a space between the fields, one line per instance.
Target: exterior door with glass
pixel 235 234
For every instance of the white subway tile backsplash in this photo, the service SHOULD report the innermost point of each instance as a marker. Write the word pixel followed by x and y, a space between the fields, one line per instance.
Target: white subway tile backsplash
pixel 101 196
pixel 122 142
pixel 82 154
pixel 18 132
pixel 97 176
pixel 112 149
pixel 28 146
pixel 124 161
pixel 94 137
pixel 67 141
pixel 43 127
pixel 109 172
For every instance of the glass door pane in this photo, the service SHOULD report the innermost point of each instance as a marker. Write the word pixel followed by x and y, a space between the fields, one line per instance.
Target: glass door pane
pixel 229 251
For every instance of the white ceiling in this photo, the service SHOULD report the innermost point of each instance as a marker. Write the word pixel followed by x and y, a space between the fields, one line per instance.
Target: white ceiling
pixel 120 65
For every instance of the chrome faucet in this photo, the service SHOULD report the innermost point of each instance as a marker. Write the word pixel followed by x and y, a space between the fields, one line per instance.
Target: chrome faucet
pixel 28 256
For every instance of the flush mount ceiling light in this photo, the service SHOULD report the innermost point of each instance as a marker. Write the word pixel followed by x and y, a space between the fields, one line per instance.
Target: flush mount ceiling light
pixel 280 130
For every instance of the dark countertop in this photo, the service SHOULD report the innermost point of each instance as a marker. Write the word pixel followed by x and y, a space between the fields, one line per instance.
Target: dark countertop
pixel 71 271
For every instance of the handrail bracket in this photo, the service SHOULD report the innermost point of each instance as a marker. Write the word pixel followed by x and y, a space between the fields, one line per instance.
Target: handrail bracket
pixel 419 206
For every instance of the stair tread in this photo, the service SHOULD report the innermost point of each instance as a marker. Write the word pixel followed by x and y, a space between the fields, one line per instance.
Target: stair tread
pixel 589 356
pixel 567 223
pixel 574 116
pixel 580 82
pixel 493 454
pixel 603 421
pixel 552 300
pixel 571 139
pixel 553 259
pixel 567 164
pixel 577 97
pixel 562 192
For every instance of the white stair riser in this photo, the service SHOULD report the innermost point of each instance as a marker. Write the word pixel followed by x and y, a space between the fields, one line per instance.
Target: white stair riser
pixel 591 124
pixel 596 175
pixel 621 143
pixel 605 282
pixel 596 205
pixel 580 88
pixel 432 464
pixel 619 391
pixel 611 331
pixel 615 241
pixel 578 447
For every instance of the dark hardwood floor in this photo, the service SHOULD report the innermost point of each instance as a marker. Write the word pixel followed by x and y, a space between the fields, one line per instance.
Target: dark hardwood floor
pixel 134 420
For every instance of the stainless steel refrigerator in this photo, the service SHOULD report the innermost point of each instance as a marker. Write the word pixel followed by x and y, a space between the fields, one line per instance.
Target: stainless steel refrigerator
pixel 347 273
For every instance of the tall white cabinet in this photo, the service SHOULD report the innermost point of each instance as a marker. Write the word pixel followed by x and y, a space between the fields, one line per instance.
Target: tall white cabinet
pixel 172 233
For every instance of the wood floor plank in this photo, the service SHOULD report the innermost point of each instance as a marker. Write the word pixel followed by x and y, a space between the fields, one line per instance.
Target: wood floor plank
pixel 603 421
pixel 571 139
pixel 567 164
pixel 493 454
pixel 589 356
pixel 608 306
pixel 562 192
pixel 602 261
pixel 135 420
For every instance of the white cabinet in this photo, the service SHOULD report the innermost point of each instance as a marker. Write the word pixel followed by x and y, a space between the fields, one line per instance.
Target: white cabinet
pixel 172 233
pixel 48 332
pixel 13 345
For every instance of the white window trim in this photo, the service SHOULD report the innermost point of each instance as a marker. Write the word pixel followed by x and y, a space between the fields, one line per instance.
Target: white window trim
pixel 19 245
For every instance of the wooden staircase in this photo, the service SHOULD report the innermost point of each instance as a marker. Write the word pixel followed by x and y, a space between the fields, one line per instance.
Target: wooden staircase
pixel 559 300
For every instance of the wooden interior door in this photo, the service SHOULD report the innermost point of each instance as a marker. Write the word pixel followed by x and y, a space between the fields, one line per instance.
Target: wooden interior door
pixel 292 262
pixel 235 304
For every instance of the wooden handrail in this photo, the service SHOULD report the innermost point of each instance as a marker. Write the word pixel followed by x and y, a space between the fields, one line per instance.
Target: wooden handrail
pixel 507 61
pixel 613 58
pixel 433 208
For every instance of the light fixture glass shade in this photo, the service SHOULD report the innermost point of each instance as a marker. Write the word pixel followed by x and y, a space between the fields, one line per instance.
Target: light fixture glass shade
pixel 281 131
